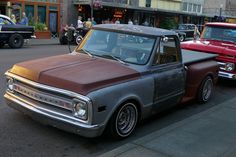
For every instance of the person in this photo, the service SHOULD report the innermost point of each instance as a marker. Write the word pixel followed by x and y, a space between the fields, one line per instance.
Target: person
pixel 88 24
pixel 13 18
pixel 196 33
pixel 93 21
pixel 80 24
pixel 145 23
pixel 24 20
pixel 130 22
pixel 117 21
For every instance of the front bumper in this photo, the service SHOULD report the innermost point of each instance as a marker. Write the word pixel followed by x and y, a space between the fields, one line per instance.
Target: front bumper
pixel 227 75
pixel 52 118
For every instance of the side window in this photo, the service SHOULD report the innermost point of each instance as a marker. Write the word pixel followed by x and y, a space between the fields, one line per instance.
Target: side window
pixel 167 51
pixel 4 21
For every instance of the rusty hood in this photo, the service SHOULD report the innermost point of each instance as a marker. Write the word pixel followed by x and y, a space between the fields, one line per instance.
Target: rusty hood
pixel 79 73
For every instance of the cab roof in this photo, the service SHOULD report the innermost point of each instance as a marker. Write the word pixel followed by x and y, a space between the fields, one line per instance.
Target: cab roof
pixel 136 29
pixel 221 24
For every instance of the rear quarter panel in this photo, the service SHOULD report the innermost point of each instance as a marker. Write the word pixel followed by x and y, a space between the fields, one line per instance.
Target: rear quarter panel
pixel 195 74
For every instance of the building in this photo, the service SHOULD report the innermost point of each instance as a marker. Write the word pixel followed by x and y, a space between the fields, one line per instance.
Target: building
pixel 220 10
pixel 38 11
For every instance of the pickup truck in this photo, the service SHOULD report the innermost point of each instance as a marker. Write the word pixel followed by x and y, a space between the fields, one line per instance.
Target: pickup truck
pixel 220 39
pixel 14 34
pixel 185 31
pixel 109 82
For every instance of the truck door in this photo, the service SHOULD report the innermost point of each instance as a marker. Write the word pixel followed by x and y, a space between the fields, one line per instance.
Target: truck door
pixel 168 73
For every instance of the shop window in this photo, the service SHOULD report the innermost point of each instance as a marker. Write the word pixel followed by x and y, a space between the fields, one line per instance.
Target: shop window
pixel 148 3
pixel 42 14
pixel 29 10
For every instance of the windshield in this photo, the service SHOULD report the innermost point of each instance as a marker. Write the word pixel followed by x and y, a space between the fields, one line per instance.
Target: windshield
pixel 219 33
pixel 118 46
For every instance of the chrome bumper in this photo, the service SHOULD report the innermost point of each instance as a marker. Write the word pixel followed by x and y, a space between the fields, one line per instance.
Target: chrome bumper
pixel 227 75
pixel 52 118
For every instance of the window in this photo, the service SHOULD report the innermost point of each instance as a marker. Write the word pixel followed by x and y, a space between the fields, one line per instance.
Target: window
pixel 4 21
pixel 148 3
pixel 190 5
pixel 167 52
pixel 199 8
pixel 42 14
pixel 195 8
pixel 185 6
pixel 29 10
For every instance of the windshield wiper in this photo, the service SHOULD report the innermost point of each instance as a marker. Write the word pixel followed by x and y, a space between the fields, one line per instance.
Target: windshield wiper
pixel 114 57
pixel 87 52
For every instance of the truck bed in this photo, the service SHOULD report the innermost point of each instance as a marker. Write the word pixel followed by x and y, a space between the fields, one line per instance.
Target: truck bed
pixel 195 56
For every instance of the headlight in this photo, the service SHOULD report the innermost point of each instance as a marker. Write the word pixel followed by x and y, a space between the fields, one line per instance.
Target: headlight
pixel 80 109
pixel 229 67
pixel 10 84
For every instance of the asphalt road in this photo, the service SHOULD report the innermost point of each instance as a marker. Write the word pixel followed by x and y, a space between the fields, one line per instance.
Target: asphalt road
pixel 21 136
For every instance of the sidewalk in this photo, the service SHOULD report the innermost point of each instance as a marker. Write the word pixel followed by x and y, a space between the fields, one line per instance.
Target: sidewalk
pixel 211 133
pixel 52 41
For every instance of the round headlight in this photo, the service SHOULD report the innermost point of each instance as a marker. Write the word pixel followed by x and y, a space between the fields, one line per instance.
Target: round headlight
pixel 10 84
pixel 80 110
pixel 229 67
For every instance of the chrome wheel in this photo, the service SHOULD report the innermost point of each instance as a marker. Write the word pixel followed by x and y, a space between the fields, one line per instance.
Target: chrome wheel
pixel 126 120
pixel 205 90
pixel 79 39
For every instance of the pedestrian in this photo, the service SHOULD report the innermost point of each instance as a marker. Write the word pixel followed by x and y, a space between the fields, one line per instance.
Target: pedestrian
pixel 196 33
pixel 80 23
pixel 88 24
pixel 145 23
pixel 117 21
pixel 130 22
pixel 24 20
pixel 13 18
pixel 93 21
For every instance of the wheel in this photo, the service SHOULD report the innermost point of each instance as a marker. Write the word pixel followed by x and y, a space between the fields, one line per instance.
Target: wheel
pixel 16 41
pixel 181 37
pixel 79 39
pixel 123 121
pixel 2 44
pixel 205 90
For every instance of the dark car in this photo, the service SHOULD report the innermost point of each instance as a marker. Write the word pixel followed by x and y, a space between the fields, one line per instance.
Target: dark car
pixel 13 34
pixel 185 31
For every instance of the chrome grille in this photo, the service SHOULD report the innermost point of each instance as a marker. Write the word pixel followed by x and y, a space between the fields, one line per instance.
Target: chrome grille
pixel 42 96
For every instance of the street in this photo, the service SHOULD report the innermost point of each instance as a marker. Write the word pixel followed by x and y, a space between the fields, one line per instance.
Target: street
pixel 21 136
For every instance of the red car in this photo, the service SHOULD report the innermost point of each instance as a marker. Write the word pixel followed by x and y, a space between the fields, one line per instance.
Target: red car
pixel 218 38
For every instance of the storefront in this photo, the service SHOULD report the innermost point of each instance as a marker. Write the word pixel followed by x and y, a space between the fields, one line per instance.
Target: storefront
pixel 47 12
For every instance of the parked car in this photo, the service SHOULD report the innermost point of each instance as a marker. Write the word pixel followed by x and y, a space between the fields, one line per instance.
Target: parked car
pixel 185 31
pixel 14 34
pixel 218 38
pixel 109 83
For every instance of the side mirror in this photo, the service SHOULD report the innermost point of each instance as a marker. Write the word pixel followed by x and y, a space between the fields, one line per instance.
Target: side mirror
pixel 70 34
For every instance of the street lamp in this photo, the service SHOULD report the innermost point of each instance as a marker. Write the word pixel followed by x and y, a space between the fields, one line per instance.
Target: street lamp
pixel 221 6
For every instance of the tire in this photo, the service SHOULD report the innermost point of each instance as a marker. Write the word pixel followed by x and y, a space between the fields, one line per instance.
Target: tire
pixel 205 90
pixel 2 44
pixel 123 121
pixel 16 41
pixel 79 39
pixel 181 37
